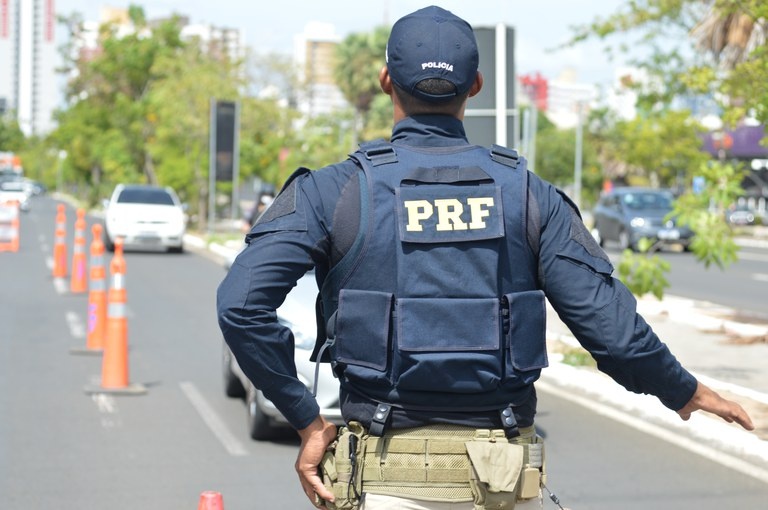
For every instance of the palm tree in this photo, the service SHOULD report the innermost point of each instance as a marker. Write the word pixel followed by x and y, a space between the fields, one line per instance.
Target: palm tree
pixel 359 58
pixel 731 31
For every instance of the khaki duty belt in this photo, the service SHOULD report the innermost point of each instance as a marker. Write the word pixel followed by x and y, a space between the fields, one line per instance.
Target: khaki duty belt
pixel 435 463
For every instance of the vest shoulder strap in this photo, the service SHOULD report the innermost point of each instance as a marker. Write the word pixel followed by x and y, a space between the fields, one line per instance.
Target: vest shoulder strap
pixel 512 159
pixel 377 152
pixel 505 156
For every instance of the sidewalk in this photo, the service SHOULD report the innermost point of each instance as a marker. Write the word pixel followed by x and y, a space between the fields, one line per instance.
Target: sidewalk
pixel 726 354
pixel 713 342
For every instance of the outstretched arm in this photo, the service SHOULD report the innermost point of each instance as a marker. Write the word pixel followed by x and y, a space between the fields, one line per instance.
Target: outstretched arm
pixel 706 399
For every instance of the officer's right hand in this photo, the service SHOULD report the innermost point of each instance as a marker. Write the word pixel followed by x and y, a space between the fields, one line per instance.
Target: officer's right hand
pixel 314 441
pixel 706 399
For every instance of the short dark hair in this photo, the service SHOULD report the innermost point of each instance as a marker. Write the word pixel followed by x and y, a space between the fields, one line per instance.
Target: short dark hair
pixel 414 105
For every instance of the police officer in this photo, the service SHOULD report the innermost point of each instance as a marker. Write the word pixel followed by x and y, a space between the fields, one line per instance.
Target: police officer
pixel 433 257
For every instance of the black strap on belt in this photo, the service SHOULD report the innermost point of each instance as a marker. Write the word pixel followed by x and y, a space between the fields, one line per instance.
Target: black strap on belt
pixel 380 418
pixel 509 423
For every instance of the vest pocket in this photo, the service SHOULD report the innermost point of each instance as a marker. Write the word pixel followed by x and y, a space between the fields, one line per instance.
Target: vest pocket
pixel 526 336
pixel 447 345
pixel 362 328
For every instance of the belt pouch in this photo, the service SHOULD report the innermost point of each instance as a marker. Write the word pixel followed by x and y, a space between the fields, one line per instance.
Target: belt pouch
pixel 341 474
pixel 495 473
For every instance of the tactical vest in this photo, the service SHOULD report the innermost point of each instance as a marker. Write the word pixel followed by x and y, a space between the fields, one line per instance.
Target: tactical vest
pixel 436 305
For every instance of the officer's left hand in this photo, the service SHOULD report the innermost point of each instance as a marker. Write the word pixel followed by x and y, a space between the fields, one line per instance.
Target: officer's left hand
pixel 706 399
pixel 314 440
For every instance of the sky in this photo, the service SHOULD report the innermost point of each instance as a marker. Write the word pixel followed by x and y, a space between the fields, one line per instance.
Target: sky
pixel 269 26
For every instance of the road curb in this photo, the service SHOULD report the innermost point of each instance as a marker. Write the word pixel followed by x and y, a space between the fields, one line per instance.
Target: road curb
pixel 714 431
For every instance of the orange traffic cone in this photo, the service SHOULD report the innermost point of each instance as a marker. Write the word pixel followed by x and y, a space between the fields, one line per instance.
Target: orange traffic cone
pixel 78 282
pixel 97 297
pixel 114 368
pixel 60 243
pixel 211 500
pixel 9 226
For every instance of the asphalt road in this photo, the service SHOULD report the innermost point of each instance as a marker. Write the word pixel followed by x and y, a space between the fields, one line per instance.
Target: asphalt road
pixel 742 285
pixel 62 448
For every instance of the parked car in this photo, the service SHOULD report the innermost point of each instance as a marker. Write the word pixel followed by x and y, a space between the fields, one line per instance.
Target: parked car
pixel 627 214
pixel 741 214
pixel 297 312
pixel 14 190
pixel 145 216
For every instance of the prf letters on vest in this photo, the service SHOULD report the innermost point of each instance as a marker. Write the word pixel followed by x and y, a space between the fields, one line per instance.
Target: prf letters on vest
pixel 449 213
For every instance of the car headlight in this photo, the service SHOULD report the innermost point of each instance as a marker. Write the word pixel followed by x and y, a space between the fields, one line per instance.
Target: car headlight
pixel 637 222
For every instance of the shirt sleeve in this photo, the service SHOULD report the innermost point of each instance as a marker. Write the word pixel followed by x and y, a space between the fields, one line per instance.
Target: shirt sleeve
pixel 599 310
pixel 281 248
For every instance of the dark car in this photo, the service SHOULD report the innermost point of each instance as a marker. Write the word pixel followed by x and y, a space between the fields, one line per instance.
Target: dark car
pixel 741 214
pixel 627 214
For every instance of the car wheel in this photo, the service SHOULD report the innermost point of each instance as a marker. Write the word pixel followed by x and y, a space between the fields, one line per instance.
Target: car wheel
pixel 259 426
pixel 177 249
pixel 108 243
pixel 232 386
pixel 624 242
pixel 596 235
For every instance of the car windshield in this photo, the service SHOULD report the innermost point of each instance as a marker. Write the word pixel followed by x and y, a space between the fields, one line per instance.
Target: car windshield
pixel 145 196
pixel 640 201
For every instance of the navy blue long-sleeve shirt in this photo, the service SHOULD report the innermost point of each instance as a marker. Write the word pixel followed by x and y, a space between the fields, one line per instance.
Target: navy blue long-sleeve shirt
pixel 297 233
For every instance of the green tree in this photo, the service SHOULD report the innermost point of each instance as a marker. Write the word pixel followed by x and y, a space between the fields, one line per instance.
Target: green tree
pixel 359 58
pixel 710 47
pixel 177 111
pixel 555 160
pixel 660 149
pixel 107 126
pixel 11 136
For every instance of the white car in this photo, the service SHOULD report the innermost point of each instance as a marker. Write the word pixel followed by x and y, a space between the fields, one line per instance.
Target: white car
pixel 298 313
pixel 145 217
pixel 14 190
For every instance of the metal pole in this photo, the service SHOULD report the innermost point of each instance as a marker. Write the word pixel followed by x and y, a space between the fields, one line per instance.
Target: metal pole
pixel 236 164
pixel 212 166
pixel 501 85
pixel 577 163
pixel 60 171
pixel 532 138
pixel 526 137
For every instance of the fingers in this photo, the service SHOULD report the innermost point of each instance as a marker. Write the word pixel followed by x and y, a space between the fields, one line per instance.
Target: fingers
pixel 314 489
pixel 707 400
pixel 742 418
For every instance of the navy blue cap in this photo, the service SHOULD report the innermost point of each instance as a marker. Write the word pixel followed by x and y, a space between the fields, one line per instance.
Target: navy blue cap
pixel 432 43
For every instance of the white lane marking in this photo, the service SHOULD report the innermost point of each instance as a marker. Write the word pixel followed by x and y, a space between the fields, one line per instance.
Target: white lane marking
pixel 759 257
pixel 76 326
pixel 691 445
pixel 60 284
pixel 214 422
pixel 107 406
pixel 760 277
pixel 105 403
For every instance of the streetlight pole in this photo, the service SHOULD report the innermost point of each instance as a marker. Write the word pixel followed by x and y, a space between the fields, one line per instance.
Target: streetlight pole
pixel 60 171
pixel 578 156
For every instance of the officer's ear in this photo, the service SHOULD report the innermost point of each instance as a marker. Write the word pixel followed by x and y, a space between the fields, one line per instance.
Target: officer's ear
pixel 477 86
pixel 385 82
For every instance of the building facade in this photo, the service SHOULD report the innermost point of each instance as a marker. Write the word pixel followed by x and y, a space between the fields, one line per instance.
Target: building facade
pixel 29 86
pixel 314 54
